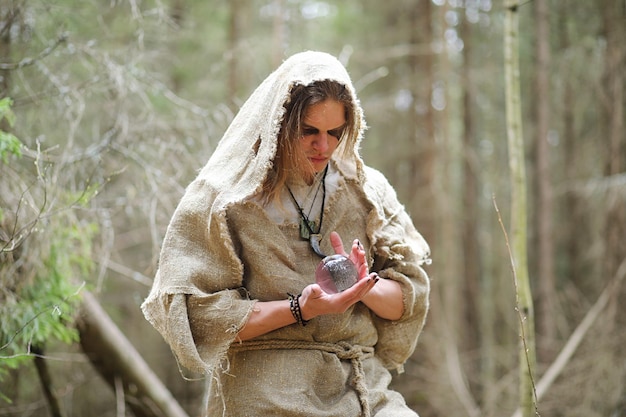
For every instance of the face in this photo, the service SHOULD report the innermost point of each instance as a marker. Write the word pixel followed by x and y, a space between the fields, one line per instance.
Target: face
pixel 322 128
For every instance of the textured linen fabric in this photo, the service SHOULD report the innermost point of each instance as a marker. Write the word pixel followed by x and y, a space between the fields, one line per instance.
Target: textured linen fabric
pixel 223 252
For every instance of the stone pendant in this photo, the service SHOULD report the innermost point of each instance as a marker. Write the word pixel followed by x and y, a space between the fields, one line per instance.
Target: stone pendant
pixel 305 228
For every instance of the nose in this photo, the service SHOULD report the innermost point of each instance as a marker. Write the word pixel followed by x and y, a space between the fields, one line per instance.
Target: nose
pixel 320 142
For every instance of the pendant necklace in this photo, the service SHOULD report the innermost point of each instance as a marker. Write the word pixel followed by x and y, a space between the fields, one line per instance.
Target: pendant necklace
pixel 308 227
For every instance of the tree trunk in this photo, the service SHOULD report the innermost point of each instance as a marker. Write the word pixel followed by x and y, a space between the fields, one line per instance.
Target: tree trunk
pixel 459 289
pixel 422 127
pixel 613 17
pixel 279 34
pixel 10 16
pixel 471 254
pixel 519 209
pixel 234 35
pixel 46 381
pixel 544 207
pixel 116 360
pixel 478 311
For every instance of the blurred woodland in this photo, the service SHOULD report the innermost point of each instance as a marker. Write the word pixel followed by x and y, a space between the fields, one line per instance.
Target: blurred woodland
pixel 109 107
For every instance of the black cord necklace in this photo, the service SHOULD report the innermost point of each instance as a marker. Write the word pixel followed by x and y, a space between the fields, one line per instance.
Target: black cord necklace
pixel 308 227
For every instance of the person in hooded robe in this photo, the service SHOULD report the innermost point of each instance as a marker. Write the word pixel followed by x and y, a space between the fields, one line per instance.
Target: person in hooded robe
pixel 237 296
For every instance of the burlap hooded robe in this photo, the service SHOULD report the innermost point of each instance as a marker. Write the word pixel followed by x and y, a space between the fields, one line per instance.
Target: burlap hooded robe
pixel 221 254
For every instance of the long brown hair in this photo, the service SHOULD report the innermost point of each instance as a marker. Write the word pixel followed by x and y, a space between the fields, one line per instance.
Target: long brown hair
pixel 289 157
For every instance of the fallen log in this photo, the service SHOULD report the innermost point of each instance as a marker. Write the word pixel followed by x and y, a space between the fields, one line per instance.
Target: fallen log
pixel 119 363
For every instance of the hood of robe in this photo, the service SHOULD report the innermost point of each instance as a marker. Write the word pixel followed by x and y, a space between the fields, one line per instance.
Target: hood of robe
pixel 244 156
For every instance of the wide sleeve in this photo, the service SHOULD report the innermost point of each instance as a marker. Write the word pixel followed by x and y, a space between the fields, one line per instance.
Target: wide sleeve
pixel 399 251
pixel 196 302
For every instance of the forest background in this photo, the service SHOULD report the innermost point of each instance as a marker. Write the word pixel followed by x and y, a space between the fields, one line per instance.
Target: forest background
pixel 109 107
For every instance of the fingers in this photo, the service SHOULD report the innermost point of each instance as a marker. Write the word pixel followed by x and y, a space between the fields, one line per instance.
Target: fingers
pixel 316 302
pixel 363 271
pixel 357 256
pixel 337 244
pixel 357 252
pixel 356 293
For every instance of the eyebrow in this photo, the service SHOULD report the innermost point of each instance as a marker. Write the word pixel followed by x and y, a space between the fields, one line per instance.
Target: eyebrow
pixel 307 126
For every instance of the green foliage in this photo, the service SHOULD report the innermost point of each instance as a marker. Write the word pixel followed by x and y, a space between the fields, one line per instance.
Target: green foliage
pixel 36 312
pixel 9 143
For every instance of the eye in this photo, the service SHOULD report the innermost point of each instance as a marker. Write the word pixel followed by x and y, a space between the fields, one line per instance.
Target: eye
pixel 309 132
pixel 336 133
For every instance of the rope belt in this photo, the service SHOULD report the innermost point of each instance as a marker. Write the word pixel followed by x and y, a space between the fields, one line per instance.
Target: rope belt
pixel 356 354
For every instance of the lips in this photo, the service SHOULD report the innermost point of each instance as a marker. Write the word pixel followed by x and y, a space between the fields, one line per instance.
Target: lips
pixel 317 159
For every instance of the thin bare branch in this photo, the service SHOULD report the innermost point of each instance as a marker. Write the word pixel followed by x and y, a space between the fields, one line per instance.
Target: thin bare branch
pixel 30 61
pixel 520 316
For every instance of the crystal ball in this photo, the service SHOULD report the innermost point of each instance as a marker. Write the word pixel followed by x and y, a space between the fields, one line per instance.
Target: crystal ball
pixel 336 273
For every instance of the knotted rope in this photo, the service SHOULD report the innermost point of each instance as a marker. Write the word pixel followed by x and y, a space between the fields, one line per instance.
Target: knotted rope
pixel 356 354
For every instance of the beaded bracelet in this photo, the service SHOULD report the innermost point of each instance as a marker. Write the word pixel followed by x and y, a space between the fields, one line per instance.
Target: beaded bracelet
pixel 294 306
